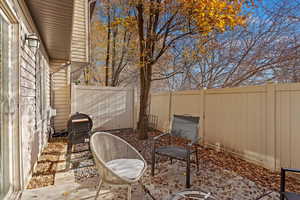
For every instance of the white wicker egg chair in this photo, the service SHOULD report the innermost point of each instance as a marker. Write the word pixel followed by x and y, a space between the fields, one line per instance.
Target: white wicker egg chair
pixel 118 162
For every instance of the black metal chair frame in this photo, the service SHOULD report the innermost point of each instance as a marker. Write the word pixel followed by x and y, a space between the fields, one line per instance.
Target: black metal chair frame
pixel 190 148
pixel 79 129
pixel 283 194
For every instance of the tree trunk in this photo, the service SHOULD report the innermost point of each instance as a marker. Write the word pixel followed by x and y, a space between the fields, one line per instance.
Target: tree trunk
pixel 145 73
pixel 114 52
pixel 144 101
pixel 108 44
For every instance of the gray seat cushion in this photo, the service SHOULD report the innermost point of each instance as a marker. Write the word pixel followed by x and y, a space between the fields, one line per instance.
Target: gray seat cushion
pixel 173 152
pixel 126 168
pixel 292 196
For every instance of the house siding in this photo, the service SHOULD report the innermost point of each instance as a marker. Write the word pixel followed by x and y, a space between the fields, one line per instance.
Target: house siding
pixel 61 94
pixel 33 93
pixel 33 120
pixel 34 105
pixel 79 44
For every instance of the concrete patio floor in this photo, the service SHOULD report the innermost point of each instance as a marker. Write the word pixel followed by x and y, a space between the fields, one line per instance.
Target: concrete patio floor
pixel 169 179
pixel 81 182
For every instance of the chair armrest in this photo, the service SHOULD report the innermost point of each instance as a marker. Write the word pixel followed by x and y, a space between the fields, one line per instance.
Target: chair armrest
pixel 282 180
pixel 161 135
pixel 290 170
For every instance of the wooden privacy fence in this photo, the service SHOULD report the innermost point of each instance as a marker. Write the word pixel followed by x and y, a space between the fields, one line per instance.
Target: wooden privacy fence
pixel 259 123
pixel 110 107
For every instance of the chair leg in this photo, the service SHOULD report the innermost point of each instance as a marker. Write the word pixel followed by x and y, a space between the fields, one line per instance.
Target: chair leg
pixel 197 159
pixel 129 192
pixel 282 184
pixel 153 163
pixel 89 145
pixel 99 188
pixel 171 161
pixel 69 152
pixel 188 168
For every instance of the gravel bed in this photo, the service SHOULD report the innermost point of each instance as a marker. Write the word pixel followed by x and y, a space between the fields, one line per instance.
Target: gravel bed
pixel 223 174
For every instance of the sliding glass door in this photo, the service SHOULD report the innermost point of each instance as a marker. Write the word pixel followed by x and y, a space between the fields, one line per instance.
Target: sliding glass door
pixel 4 88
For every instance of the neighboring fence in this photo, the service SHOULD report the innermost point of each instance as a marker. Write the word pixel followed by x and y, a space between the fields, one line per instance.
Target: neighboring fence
pixel 110 107
pixel 260 123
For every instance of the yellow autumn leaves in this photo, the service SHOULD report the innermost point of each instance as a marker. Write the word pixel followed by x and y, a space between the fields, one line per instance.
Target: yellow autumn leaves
pixel 211 15
pixel 207 15
pixel 127 22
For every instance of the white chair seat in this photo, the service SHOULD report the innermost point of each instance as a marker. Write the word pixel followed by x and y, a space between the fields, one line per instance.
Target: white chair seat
pixel 126 168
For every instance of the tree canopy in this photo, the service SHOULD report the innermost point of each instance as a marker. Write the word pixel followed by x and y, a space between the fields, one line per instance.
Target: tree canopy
pixel 192 44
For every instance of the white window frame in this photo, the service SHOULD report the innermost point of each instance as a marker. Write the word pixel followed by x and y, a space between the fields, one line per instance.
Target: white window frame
pixel 11 111
pixel 38 91
pixel 41 94
pixel 4 140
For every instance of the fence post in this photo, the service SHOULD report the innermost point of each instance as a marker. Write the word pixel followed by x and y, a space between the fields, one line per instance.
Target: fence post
pixel 270 160
pixel 134 109
pixel 170 106
pixel 202 115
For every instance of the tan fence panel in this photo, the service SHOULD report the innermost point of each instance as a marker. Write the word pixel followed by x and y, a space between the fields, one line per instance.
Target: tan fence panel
pixel 186 103
pixel 258 123
pixel 288 125
pixel 110 108
pixel 160 106
pixel 236 120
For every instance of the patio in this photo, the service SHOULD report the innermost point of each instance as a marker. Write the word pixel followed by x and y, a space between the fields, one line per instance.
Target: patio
pixel 222 174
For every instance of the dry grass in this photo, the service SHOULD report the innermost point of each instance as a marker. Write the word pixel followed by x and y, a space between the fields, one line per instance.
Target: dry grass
pixel 46 168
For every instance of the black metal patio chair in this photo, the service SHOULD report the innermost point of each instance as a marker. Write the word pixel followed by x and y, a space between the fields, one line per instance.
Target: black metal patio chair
pixel 79 131
pixel 185 127
pixel 283 194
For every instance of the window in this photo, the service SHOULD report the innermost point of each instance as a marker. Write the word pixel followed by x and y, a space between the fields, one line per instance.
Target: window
pixel 38 80
pixel 40 89
pixel 4 139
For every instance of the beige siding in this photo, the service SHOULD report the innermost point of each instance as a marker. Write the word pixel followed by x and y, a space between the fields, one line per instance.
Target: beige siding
pixel 33 122
pixel 79 43
pixel 61 94
pixel 27 108
pixel 260 124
